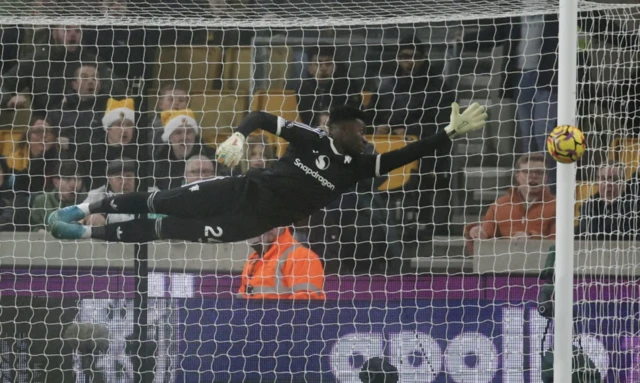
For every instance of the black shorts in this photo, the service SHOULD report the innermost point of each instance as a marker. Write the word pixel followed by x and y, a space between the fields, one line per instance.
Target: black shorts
pixel 226 209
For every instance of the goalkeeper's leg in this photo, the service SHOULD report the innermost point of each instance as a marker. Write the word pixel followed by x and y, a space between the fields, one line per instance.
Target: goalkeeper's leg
pixel 220 229
pixel 198 200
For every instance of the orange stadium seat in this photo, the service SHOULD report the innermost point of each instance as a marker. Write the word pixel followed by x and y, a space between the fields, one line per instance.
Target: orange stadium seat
pixel 198 66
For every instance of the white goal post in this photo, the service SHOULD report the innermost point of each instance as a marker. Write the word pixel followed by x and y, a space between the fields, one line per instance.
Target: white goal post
pixel 438 268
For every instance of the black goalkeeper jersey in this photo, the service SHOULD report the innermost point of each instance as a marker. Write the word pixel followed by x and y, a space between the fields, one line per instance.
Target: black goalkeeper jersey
pixel 312 173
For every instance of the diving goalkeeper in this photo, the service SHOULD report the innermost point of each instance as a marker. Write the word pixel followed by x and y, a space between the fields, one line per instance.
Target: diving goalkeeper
pixel 316 169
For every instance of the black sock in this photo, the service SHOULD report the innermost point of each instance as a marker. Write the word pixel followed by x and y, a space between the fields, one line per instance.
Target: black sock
pixel 135 231
pixel 130 203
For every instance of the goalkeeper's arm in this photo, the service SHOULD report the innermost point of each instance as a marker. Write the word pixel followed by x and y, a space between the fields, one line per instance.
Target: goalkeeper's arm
pixel 294 132
pixel 472 119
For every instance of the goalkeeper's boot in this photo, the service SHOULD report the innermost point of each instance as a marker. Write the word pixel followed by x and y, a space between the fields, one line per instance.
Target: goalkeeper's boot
pixel 67 214
pixel 63 230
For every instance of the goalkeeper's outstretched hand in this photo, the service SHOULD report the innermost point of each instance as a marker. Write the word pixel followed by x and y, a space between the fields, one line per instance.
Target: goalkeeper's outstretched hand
pixel 473 118
pixel 229 152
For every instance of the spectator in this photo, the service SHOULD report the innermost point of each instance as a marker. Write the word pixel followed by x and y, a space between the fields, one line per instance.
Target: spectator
pixel 121 178
pixel 530 66
pixel 123 46
pixel 416 101
pixel 182 137
pixel 67 188
pixel 119 141
pixel 170 97
pixel 56 62
pixel 610 213
pixel 35 156
pixel 281 268
pixel 328 84
pixel 199 168
pixel 527 211
pixel 82 109
pixel 260 153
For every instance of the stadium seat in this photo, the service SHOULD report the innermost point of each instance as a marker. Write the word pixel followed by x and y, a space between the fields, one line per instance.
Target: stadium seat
pixel 276 67
pixel 584 190
pixel 283 104
pixel 385 143
pixel 366 99
pixel 630 155
pixel 236 75
pixel 199 66
pixel 7 139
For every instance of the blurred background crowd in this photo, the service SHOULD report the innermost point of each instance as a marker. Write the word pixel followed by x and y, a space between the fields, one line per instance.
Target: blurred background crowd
pixel 89 111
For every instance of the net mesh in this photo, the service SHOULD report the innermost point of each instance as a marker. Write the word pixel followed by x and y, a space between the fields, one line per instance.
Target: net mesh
pixel 422 267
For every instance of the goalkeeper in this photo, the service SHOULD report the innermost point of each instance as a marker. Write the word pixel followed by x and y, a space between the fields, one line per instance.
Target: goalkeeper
pixel 316 169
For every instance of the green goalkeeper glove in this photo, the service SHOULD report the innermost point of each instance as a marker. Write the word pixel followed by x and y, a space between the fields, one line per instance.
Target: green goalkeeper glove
pixel 473 118
pixel 229 152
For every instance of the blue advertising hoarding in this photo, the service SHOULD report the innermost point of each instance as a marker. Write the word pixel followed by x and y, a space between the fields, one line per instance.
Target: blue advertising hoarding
pixel 451 341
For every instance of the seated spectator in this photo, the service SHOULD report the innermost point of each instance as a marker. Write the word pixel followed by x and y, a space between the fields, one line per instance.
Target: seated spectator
pixel 328 84
pixel 281 268
pixel 260 154
pixel 67 189
pixel 118 141
pixel 610 213
pixel 199 168
pixel 34 157
pixel 56 62
pixel 121 45
pixel 121 178
pixel 527 211
pixel 182 137
pixel 170 97
pixel 416 101
pixel 80 114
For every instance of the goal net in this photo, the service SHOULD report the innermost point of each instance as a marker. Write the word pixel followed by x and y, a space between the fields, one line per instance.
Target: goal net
pixel 440 269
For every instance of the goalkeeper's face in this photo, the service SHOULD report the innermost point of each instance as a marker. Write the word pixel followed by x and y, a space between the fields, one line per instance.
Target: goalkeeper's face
pixel 349 136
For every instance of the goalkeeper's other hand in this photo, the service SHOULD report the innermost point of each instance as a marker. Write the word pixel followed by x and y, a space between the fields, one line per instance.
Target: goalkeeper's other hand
pixel 473 118
pixel 229 152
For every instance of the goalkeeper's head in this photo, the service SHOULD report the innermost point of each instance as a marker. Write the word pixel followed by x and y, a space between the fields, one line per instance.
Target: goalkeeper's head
pixel 346 128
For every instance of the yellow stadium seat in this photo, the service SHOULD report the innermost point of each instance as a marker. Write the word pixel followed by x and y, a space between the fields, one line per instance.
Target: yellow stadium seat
pixel 197 66
pixel 236 76
pixel 283 104
pixel 584 190
pixel 366 99
pixel 219 113
pixel 278 59
pixel 8 138
pixel 630 155
pixel 385 143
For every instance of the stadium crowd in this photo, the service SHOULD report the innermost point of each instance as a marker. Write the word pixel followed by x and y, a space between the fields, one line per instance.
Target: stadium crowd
pixel 89 137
